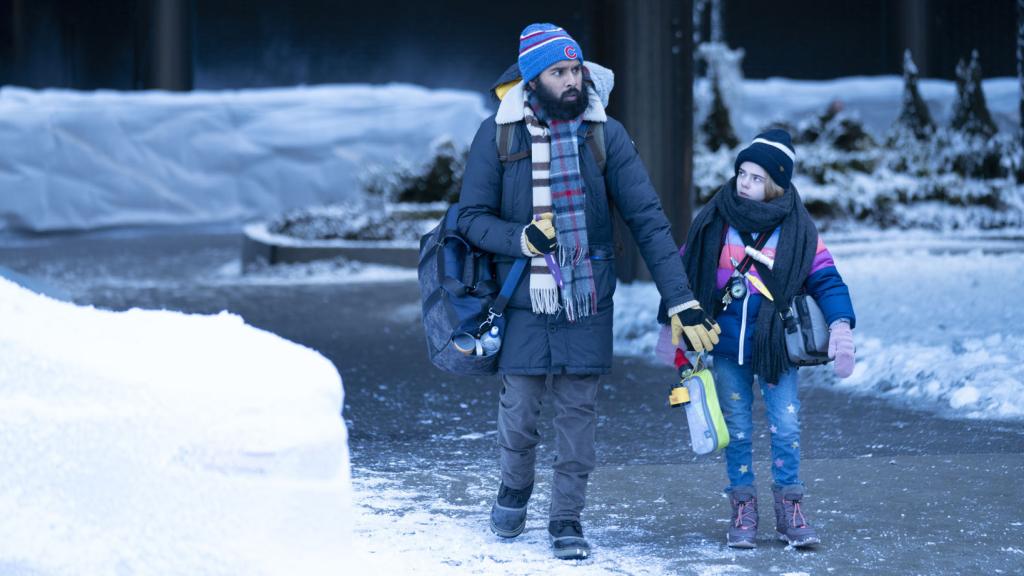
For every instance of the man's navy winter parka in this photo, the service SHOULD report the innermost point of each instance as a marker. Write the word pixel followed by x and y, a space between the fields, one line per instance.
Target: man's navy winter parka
pixel 496 203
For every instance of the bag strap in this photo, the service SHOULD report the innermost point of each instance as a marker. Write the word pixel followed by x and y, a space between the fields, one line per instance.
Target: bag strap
pixel 769 279
pixel 504 141
pixel 745 264
pixel 497 308
pixel 595 141
pixel 759 245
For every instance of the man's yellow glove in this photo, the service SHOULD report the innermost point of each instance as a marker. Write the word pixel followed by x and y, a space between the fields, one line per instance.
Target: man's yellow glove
pixel 540 234
pixel 700 331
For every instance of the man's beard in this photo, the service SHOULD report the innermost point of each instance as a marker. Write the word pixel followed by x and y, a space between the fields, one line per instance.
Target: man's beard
pixel 559 108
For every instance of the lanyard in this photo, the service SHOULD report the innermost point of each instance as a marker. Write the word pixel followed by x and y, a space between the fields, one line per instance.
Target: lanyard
pixel 759 245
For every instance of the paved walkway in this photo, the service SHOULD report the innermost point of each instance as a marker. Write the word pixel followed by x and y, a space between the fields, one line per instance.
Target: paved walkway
pixel 893 491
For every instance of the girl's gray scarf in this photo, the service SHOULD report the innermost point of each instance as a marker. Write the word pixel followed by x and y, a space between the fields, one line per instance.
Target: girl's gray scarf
pixel 798 241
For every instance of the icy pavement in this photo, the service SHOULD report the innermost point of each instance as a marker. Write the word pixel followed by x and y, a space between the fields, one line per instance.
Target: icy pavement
pixel 875 515
pixel 87 266
pixel 412 533
pixel 895 488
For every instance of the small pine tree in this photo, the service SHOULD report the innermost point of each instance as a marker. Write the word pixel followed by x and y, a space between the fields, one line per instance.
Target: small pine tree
pixel 970 112
pixel 717 126
pixel 914 119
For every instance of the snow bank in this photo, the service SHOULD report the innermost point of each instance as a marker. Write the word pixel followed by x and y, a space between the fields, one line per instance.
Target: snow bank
pixel 975 378
pixel 83 160
pixel 153 442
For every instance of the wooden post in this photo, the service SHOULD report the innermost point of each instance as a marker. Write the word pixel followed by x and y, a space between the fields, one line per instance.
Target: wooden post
pixel 166 49
pixel 1020 69
pixel 915 33
pixel 648 44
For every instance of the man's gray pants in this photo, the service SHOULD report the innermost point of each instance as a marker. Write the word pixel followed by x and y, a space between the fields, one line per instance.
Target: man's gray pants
pixel 575 403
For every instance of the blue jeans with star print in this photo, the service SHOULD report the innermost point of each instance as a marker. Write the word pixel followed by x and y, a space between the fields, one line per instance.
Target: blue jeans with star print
pixel 735 386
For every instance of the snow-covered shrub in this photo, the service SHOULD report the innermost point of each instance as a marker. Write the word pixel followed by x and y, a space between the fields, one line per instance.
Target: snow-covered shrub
pixel 970 111
pixel 808 130
pixel 846 132
pixel 368 220
pixel 724 66
pixel 914 121
pixel 717 127
pixel 711 170
pixel 437 180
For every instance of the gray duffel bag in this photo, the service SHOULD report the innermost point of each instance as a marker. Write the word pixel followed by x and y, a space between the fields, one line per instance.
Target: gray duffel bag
pixel 806 332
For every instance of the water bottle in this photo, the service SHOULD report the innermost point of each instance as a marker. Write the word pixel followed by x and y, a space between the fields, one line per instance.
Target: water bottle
pixel 490 342
pixel 465 342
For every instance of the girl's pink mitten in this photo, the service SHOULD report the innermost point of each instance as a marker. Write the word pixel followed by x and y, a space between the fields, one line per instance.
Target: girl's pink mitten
pixel 840 348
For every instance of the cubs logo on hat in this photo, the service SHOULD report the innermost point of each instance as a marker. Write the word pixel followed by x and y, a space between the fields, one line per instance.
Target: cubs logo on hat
pixel 541 45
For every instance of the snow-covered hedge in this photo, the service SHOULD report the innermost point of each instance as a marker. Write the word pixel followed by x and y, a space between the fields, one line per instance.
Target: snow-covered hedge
pixel 360 220
pixel 907 172
pixel 847 177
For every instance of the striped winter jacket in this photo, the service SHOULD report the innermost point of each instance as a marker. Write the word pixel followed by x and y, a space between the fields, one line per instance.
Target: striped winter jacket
pixel 738 319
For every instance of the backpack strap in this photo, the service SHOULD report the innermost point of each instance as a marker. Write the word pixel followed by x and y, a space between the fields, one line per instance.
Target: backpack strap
pixel 504 140
pixel 595 141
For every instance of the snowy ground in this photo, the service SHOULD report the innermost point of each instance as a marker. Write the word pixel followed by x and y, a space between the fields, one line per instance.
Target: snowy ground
pixel 412 516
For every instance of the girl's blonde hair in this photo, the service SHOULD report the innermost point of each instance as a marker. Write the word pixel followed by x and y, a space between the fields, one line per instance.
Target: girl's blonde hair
pixel 771 189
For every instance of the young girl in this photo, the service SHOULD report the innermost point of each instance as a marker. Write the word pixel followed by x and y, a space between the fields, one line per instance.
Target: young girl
pixel 760 200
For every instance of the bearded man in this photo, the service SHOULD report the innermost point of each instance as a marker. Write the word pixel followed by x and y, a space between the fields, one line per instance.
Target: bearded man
pixel 538 182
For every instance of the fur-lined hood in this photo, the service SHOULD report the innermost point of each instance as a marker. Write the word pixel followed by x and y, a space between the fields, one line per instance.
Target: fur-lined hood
pixel 510 90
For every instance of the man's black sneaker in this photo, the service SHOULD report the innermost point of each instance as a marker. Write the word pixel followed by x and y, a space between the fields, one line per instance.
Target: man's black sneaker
pixel 508 514
pixel 567 540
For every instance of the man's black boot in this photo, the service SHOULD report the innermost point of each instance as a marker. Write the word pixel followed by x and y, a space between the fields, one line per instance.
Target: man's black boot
pixel 567 540
pixel 508 514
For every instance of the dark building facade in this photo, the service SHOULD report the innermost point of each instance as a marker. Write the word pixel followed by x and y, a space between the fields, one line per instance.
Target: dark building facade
pixel 226 44
pixel 212 44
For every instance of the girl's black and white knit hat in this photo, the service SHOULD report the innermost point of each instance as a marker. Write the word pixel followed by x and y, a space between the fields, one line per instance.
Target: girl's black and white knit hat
pixel 773 151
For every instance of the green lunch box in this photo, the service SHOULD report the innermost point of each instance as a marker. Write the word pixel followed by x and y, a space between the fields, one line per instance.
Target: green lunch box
pixel 696 393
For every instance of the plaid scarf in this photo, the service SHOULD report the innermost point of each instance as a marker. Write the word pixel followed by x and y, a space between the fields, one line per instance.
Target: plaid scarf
pixel 558 188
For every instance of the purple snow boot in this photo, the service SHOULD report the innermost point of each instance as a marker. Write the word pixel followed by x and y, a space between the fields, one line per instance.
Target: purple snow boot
pixel 743 525
pixel 790 523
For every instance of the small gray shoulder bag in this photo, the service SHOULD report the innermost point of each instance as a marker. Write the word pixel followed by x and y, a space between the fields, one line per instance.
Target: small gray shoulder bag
pixel 806 331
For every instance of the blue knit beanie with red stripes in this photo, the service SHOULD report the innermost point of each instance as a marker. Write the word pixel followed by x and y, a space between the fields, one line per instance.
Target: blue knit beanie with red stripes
pixel 541 45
